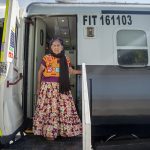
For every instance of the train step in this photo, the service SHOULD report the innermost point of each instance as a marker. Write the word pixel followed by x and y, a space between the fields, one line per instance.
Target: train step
pixel 136 144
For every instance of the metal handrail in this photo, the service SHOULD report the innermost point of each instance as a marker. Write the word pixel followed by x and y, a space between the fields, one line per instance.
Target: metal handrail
pixel 14 83
pixel 86 120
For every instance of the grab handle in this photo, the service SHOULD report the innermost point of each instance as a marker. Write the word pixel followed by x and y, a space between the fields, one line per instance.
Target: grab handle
pixel 13 83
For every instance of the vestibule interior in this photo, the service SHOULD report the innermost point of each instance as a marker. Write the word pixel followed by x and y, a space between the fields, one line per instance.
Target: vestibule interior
pixel 41 30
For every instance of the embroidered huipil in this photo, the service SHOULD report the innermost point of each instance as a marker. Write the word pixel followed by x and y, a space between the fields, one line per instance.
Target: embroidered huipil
pixel 52 67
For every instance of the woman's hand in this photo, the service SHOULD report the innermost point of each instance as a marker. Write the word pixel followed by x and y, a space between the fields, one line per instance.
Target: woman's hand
pixel 74 71
pixel 40 72
pixel 38 89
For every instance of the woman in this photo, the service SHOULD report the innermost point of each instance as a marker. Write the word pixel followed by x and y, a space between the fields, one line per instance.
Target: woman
pixel 55 113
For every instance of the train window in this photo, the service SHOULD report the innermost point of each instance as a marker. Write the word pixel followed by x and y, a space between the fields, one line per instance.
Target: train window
pixel 41 37
pixel 131 38
pixel 132 57
pixel 132 48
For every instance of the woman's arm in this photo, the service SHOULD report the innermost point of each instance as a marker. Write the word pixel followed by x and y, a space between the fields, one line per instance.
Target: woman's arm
pixel 74 71
pixel 41 69
pixel 71 70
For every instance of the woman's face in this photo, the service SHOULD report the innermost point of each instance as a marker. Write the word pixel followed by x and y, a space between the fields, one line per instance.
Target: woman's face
pixel 56 47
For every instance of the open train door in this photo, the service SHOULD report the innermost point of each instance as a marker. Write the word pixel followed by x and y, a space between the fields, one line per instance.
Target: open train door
pixel 11 114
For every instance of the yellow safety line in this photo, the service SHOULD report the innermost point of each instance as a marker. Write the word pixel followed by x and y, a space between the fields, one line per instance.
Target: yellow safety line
pixel 4 31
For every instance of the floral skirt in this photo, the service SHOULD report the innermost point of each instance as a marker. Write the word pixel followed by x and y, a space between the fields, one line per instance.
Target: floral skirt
pixel 55 113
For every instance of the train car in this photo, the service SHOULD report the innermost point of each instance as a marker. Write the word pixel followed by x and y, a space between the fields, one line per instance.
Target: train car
pixel 11 71
pixel 112 39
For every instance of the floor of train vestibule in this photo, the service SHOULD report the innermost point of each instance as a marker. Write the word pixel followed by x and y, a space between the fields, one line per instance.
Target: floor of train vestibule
pixel 32 142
